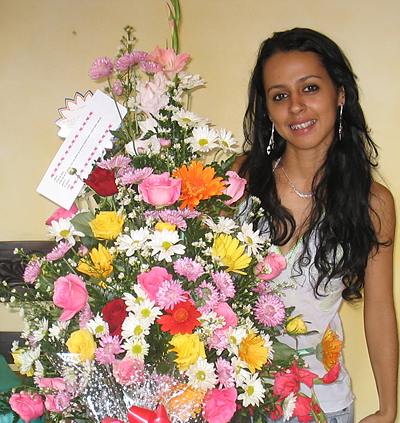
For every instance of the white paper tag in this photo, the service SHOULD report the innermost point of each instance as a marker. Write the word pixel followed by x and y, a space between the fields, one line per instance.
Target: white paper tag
pixel 83 146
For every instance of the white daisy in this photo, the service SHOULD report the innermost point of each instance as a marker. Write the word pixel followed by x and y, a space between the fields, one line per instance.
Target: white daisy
pixel 39 369
pixel 41 331
pixel 201 375
pixel 165 244
pixel 58 329
pixel 227 141
pixel 253 391
pixel 241 372
pixel 27 358
pixel 235 337
pixel 251 239
pixel 146 311
pixel 98 327
pixel 268 344
pixel 186 118
pixel 132 242
pixel 147 125
pixel 131 301
pixel 225 225
pixel 203 139
pixel 132 326
pixel 63 230
pixel 188 81
pixel 288 406
pixel 136 347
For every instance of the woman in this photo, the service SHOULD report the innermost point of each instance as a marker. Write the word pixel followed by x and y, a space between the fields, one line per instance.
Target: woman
pixel 309 158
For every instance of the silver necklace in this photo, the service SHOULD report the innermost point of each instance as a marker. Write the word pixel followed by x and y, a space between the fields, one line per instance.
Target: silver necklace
pixel 300 194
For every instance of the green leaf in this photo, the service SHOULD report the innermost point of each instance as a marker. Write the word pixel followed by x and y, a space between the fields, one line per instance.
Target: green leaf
pixel 81 223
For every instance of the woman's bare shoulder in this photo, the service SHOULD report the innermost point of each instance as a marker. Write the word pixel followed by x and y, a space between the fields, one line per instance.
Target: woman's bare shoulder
pixel 383 207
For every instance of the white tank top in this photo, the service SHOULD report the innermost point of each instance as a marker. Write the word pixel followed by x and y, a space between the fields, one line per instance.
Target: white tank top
pixel 318 313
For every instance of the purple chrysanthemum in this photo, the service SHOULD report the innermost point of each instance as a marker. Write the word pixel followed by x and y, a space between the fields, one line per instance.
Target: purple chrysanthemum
pixel 170 294
pixel 115 162
pixel 58 251
pixel 187 214
pixel 224 283
pixel 209 296
pixel 111 345
pixel 130 59
pixel 189 268
pixel 101 67
pixel 149 67
pixel 173 217
pixel 269 310
pixel 32 271
pixel 226 373
pixel 130 175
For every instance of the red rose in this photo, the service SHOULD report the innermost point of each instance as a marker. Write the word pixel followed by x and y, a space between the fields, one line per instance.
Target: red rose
pixel 102 181
pixel 114 313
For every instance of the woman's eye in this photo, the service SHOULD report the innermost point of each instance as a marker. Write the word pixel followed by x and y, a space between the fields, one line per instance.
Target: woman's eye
pixel 311 88
pixel 279 97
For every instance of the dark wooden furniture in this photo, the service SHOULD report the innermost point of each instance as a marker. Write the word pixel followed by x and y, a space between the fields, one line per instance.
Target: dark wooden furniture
pixel 11 271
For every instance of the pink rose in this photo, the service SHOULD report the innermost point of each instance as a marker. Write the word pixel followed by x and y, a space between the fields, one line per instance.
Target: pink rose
pixel 224 310
pixel 270 267
pixel 152 281
pixel 28 407
pixel 128 371
pixel 70 294
pixel 56 383
pixel 160 190
pixel 235 188
pixel 220 405
pixel 62 213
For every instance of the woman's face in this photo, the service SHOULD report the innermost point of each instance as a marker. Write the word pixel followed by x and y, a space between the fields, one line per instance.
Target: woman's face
pixel 302 100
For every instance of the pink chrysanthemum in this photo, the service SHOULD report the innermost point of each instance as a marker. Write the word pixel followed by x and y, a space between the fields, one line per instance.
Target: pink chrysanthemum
pixel 224 283
pixel 58 251
pixel 269 310
pixel 101 67
pixel 84 316
pixel 32 271
pixel 130 59
pixel 262 287
pixel 110 346
pixel 115 162
pixel 218 341
pixel 150 67
pixel 189 268
pixel 130 175
pixel 117 87
pixel 208 296
pixel 170 294
pixel 225 373
pixel 188 214
pixel 173 217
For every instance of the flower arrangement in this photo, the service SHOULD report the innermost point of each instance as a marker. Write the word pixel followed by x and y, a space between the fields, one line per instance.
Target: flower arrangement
pixel 157 286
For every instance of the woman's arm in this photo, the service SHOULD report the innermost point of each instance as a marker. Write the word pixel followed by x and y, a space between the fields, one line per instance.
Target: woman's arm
pixel 379 312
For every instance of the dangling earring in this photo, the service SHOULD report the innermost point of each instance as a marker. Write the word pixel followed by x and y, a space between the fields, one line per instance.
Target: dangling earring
pixel 271 142
pixel 340 122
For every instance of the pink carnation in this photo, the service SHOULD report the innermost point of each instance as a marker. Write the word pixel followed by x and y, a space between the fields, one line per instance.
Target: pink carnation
pixel 101 67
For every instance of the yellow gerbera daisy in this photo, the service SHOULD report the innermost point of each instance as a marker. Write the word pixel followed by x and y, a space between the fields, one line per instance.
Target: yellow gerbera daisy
pixel 231 253
pixel 100 263
pixel 253 352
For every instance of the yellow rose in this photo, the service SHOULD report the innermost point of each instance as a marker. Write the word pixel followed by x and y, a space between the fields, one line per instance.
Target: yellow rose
pixel 82 342
pixel 188 348
pixel 100 263
pixel 107 225
pixel 296 326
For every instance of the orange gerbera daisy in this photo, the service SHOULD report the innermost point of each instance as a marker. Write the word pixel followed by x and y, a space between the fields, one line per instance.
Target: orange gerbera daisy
pixel 328 351
pixel 198 183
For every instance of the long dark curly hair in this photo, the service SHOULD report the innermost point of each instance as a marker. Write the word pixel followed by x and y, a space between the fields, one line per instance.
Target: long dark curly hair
pixel 341 213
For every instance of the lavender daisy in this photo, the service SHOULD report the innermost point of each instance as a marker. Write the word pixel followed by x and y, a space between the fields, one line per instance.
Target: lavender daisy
pixel 224 283
pixel 169 294
pixel 189 268
pixel 128 60
pixel 225 373
pixel 110 346
pixel 130 175
pixel 269 310
pixel 58 251
pixel 208 296
pixel 101 67
pixel 117 161
pixel 32 271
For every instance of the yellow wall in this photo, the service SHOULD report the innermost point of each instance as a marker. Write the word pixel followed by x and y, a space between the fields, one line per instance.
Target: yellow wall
pixel 48 46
